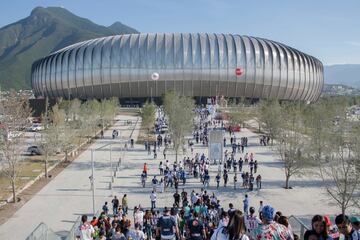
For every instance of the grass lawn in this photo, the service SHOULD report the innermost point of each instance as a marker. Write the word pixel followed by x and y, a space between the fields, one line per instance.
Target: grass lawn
pixel 30 168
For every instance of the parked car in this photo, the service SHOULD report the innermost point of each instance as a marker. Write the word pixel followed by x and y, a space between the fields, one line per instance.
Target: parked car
pixel 14 134
pixel 164 130
pixel 35 150
pixel 36 127
pixel 233 128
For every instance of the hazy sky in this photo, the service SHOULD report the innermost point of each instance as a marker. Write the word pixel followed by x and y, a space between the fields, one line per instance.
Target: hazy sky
pixel 326 29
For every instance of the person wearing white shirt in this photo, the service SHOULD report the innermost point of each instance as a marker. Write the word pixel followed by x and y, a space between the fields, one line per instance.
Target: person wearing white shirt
pixel 85 231
pixel 153 199
pixel 251 223
pixel 138 216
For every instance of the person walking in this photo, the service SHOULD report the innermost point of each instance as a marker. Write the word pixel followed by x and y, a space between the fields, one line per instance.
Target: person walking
pixel 145 168
pixel 261 206
pixel 85 231
pixel 105 208
pixel 124 204
pixel 115 205
pixel 217 180
pixel 226 177
pixel 235 181
pixel 251 222
pixel 246 204
pixel 269 229
pixel 162 185
pixel 177 198
pixel 154 182
pixel 166 227
pixel 196 228
pixel 153 200
pixel 143 178
pixel 161 168
pixel 258 181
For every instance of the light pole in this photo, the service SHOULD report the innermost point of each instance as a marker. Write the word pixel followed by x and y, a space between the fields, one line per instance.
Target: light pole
pixel 46 107
pixel 111 172
pixel 93 180
pixel 151 99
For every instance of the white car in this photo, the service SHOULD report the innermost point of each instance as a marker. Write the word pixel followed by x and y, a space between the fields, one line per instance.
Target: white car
pixel 36 127
pixel 14 134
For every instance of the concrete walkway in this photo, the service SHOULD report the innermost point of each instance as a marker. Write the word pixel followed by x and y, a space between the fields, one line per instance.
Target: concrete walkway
pixel 68 196
pixel 304 200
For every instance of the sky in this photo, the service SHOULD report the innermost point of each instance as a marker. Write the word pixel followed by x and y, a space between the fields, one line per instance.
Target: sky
pixel 326 29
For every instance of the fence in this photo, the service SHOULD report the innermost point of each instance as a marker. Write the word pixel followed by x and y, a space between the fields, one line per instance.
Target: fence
pixel 71 234
pixel 43 232
pixel 298 227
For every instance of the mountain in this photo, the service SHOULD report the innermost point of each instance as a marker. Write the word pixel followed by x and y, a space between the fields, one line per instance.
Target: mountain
pixel 44 31
pixel 118 27
pixel 346 74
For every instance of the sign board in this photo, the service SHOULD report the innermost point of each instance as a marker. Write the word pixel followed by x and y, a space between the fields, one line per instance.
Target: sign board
pixel 216 145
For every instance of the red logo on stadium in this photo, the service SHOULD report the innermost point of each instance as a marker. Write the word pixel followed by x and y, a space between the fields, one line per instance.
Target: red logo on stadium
pixel 239 71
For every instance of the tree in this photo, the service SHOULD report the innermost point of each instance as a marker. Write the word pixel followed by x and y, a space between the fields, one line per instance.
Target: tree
pixel 317 122
pixel 340 169
pixel 179 111
pixel 108 111
pixel 240 113
pixel 148 116
pixel 15 112
pixel 53 135
pixel 319 119
pixel 291 144
pixel 67 138
pixel 90 115
pixel 49 145
pixel 269 113
pixel 74 109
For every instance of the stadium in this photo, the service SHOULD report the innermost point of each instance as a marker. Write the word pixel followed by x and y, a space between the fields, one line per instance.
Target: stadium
pixel 139 66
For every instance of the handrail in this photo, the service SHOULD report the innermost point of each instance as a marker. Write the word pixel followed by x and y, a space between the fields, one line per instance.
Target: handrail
pixel 303 226
pixel 43 232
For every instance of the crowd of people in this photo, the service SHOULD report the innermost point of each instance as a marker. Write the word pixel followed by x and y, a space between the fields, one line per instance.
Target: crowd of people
pixel 201 216
pixel 196 165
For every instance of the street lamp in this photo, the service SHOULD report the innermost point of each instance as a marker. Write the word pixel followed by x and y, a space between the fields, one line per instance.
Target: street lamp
pixel 46 106
pixel 92 179
pixel 111 172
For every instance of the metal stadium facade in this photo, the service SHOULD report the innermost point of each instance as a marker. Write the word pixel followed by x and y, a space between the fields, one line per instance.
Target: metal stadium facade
pixel 199 65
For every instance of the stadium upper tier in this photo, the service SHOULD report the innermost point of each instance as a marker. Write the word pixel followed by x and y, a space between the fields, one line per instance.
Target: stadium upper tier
pixel 200 65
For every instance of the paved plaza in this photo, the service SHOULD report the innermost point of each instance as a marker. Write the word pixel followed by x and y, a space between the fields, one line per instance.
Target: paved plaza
pixel 68 196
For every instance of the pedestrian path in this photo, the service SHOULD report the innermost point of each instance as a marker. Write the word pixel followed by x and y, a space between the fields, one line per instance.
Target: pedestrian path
pixel 291 202
pixel 68 196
